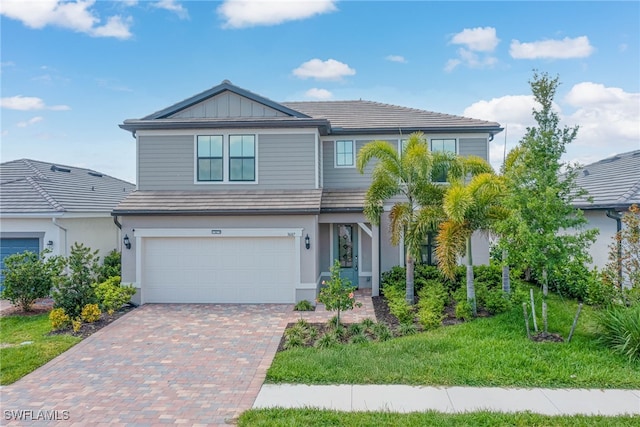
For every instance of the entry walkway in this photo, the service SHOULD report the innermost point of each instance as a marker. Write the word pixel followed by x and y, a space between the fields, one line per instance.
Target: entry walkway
pixel 404 398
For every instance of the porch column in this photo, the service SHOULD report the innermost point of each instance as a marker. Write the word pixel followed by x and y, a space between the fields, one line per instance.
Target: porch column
pixel 375 261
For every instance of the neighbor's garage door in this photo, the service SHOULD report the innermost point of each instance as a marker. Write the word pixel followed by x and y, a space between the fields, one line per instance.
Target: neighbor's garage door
pixel 9 246
pixel 218 270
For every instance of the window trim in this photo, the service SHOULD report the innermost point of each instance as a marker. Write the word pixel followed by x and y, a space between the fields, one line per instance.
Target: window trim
pixel 226 158
pixel 230 157
pixel 353 154
pixel 455 151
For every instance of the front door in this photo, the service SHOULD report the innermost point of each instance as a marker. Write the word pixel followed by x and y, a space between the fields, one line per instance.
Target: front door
pixel 346 251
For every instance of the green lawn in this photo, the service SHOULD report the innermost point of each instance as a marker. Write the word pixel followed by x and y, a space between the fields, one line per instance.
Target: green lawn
pixel 18 360
pixel 313 417
pixel 486 352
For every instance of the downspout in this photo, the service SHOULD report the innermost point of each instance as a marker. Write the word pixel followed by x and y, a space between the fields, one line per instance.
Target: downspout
pixel 118 234
pixel 66 246
pixel 615 215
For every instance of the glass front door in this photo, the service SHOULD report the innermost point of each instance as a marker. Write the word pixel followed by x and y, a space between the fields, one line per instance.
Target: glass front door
pixel 346 251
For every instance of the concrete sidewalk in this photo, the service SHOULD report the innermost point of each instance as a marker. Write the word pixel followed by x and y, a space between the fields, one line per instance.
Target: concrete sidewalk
pixel 404 398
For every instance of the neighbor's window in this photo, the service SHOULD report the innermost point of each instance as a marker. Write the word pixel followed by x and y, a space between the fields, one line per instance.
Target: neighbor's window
pixel 242 158
pixel 210 158
pixel 443 145
pixel 344 153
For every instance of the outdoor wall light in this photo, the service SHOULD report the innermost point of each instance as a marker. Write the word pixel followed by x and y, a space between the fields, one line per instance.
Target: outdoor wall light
pixel 127 242
pixel 50 244
pixel 307 242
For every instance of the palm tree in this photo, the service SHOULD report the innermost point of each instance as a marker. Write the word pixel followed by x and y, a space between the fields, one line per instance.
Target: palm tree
pixel 407 176
pixel 469 206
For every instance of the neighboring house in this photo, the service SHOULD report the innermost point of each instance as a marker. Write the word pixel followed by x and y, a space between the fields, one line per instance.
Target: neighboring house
pixel 613 185
pixel 243 199
pixel 50 206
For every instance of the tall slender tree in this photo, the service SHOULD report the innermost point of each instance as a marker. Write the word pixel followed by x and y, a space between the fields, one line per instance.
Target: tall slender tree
pixel 541 190
pixel 469 206
pixel 406 176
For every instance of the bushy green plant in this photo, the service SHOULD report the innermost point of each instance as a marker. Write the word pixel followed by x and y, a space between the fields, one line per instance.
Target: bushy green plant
pixel 599 291
pixel 407 329
pixel 382 331
pixel 112 295
pixel 432 300
pixel 111 265
pixel 497 301
pixel 327 340
pixel 59 319
pixel 76 289
pixel 359 338
pixel 293 341
pixel 337 293
pixel 619 329
pixel 304 305
pixel 398 305
pixel 571 280
pixel 464 310
pixel 28 277
pixel 368 323
pixel 356 328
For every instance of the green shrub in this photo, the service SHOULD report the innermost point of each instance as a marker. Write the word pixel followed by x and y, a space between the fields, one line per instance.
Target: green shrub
pixel 59 319
pixel 327 340
pixel 76 289
pixel 571 280
pixel 382 332
pixel 368 323
pixel 28 277
pixel 619 329
pixel 356 328
pixel 293 341
pixel 407 329
pixel 359 338
pixel 432 299
pixel 497 301
pixel 398 305
pixel 111 265
pixel 112 295
pixel 304 305
pixel 464 310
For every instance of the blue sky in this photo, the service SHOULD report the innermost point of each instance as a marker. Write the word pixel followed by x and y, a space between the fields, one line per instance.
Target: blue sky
pixel 72 71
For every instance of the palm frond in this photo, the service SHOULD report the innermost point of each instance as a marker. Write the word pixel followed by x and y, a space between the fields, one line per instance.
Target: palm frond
pixel 452 240
pixel 400 217
pixel 457 202
pixel 381 150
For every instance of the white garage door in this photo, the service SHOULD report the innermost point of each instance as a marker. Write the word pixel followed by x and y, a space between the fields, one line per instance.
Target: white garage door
pixel 218 270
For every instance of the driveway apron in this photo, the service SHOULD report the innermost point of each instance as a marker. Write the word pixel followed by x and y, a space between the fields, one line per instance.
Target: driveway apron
pixel 160 364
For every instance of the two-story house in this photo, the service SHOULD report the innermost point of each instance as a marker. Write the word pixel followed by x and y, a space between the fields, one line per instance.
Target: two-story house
pixel 243 199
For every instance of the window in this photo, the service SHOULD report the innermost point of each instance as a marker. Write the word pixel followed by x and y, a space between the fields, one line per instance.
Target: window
pixel 344 154
pixel 428 250
pixel 442 145
pixel 210 158
pixel 242 158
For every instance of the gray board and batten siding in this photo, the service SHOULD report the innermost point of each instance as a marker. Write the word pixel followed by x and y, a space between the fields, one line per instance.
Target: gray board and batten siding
pixel 284 161
pixel 228 104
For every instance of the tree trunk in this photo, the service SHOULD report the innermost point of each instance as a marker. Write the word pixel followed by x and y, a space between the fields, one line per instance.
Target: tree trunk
pixel 471 290
pixel 545 291
pixel 409 290
pixel 506 280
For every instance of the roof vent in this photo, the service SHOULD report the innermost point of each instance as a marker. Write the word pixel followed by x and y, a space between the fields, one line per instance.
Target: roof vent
pixel 585 172
pixel 92 173
pixel 93 188
pixel 610 159
pixel 55 168
pixel 227 82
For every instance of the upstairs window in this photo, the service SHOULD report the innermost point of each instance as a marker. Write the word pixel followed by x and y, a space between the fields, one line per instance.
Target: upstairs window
pixel 210 158
pixel 442 145
pixel 242 158
pixel 344 154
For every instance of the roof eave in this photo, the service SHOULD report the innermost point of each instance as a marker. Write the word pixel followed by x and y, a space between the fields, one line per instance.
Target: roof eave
pixel 153 212
pixel 408 130
pixel 135 125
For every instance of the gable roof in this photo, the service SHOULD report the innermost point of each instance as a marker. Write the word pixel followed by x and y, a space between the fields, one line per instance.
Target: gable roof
pixel 329 117
pixel 35 187
pixel 375 117
pixel 612 183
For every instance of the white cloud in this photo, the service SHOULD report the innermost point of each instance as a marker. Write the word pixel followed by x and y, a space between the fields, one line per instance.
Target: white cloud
pixel 172 6
pixel 608 120
pixel 396 58
pixel 249 13
pixel 477 43
pixel 566 48
pixel 606 115
pixel 31 121
pixel 316 93
pixel 323 70
pixel 28 103
pixel 76 16
pixel 480 39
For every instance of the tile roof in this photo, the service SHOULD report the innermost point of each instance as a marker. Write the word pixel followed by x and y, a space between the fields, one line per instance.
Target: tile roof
pixel 360 115
pixel 351 200
pixel 612 183
pixel 31 186
pixel 220 202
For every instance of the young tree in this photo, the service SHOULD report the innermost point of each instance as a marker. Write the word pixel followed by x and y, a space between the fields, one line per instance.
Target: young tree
pixel 76 289
pixel 541 189
pixel 407 174
pixel 623 269
pixel 472 206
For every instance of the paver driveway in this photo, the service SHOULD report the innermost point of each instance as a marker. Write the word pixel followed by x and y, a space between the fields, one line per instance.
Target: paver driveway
pixel 176 363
